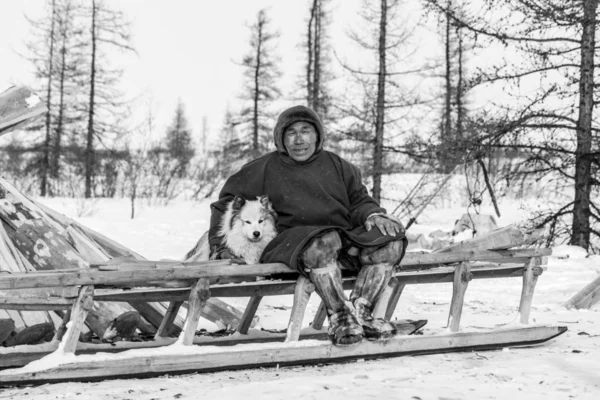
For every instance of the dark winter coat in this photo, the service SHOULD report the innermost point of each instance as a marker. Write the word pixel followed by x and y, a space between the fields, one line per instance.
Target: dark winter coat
pixel 322 193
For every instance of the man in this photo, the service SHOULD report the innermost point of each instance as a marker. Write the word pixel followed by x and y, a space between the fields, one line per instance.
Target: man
pixel 326 221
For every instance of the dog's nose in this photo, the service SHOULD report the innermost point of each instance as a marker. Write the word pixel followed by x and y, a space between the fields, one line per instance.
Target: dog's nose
pixel 256 234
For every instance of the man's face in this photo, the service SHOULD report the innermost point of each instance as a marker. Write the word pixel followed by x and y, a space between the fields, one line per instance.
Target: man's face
pixel 300 140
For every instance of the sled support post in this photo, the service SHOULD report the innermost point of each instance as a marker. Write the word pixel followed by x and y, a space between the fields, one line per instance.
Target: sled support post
pixel 302 293
pixel 381 307
pixel 199 293
pixel 319 317
pixel 82 305
pixel 462 276
pixel 249 313
pixel 393 302
pixel 167 321
pixel 530 276
pixel 62 328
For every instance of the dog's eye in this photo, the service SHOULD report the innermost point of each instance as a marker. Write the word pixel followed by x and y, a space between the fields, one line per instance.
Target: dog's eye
pixel 247 222
pixel 260 221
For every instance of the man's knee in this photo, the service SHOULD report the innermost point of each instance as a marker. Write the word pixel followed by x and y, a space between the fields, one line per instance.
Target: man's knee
pixel 390 253
pixel 321 250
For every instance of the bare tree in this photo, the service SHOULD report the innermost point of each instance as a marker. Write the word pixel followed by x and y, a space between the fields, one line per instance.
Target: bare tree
pixel 109 31
pixel 386 96
pixel 556 42
pixel 261 73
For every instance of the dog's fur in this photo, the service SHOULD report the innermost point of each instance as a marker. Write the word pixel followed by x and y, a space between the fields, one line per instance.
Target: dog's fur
pixel 478 223
pixel 246 228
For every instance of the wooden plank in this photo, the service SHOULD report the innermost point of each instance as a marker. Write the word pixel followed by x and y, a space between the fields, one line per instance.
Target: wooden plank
pixel 79 313
pixel 113 248
pixel 166 325
pixel 502 238
pixel 393 302
pixel 320 316
pixel 19 356
pixel 249 313
pixel 384 299
pixel 462 276
pixel 62 328
pixel 587 297
pixel 201 360
pixel 302 292
pixel 215 272
pixel 198 296
pixel 19 106
pixel 530 277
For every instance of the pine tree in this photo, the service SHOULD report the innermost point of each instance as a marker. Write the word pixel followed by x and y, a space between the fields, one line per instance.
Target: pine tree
pixel 179 146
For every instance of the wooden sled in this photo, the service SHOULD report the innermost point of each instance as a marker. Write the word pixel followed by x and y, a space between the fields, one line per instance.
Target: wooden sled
pixel 140 280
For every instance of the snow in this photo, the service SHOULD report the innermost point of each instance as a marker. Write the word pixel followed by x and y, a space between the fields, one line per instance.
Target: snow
pixel 565 367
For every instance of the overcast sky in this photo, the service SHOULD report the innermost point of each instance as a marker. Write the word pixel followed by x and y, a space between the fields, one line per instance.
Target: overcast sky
pixel 186 49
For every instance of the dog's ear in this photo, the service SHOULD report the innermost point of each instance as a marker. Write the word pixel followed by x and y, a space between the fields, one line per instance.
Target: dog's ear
pixel 264 200
pixel 268 205
pixel 238 202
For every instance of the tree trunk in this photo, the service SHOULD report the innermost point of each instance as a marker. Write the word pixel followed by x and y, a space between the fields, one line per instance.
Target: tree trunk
pixel 583 159
pixel 61 105
pixel 257 85
pixel 317 106
pixel 89 151
pixel 309 64
pixel 45 168
pixel 380 110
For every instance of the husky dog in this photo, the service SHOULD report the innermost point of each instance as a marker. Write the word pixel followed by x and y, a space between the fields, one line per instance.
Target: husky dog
pixel 246 228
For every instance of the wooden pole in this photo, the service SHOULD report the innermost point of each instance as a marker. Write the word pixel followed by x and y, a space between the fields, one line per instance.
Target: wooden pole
pixel 319 317
pixel 302 293
pixel 382 304
pixel 198 296
pixel 249 314
pixel 462 276
pixel 81 307
pixel 167 321
pixel 530 276
pixel 393 303
pixel 587 297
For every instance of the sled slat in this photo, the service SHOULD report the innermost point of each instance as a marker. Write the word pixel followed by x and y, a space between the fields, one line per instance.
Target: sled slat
pixel 530 277
pixel 393 302
pixel 198 296
pixel 320 316
pixel 249 313
pixel 462 276
pixel 382 304
pixel 216 273
pixel 302 293
pixel 167 322
pixel 201 360
pixel 79 313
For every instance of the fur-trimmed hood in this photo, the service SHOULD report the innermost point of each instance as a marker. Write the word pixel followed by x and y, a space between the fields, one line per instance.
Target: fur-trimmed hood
pixel 295 114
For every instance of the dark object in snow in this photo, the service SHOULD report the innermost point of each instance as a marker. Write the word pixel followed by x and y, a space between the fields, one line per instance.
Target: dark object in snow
pixel 576 351
pixel 32 335
pixel 123 327
pixel 215 334
pixel 7 326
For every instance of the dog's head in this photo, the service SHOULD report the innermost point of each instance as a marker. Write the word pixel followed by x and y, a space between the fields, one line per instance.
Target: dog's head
pixel 254 217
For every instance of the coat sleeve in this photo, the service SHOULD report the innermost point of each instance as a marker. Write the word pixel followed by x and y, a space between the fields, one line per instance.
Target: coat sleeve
pixel 361 204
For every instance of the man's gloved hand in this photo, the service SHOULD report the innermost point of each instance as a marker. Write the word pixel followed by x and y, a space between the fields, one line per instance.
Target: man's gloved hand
pixel 387 224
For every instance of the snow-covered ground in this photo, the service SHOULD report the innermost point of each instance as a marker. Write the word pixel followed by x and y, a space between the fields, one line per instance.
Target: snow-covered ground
pixel 567 367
